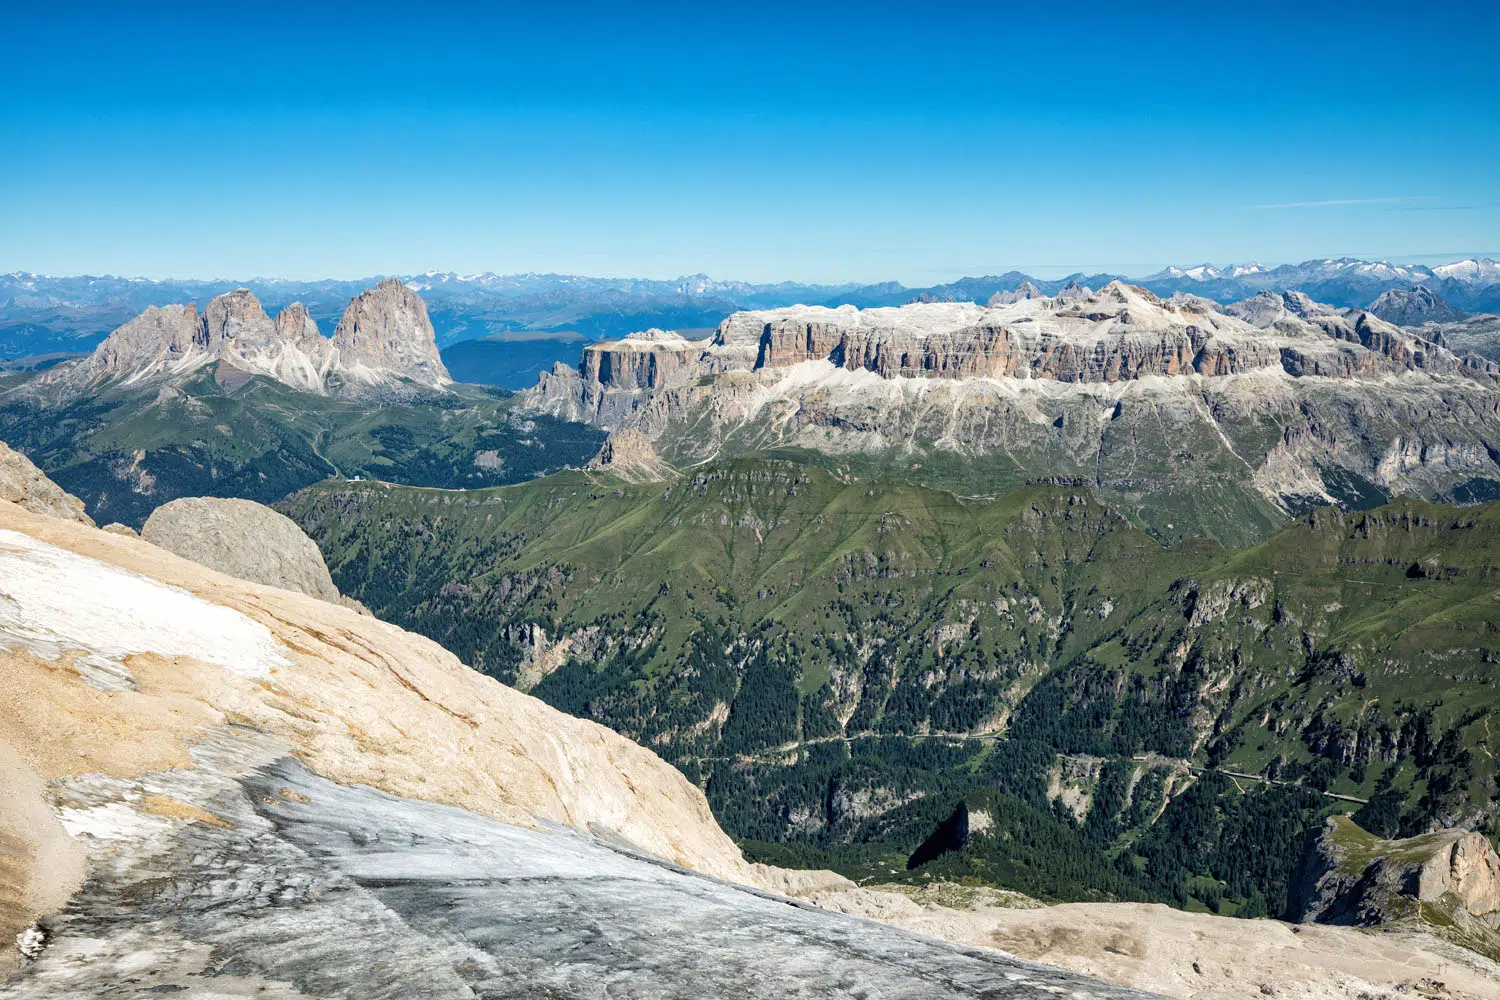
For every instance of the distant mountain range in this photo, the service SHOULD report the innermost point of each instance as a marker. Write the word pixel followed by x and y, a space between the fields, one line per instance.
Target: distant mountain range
pixel 42 314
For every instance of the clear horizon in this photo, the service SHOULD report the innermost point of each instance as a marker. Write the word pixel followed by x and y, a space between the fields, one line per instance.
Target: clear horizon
pixel 1409 260
pixel 758 143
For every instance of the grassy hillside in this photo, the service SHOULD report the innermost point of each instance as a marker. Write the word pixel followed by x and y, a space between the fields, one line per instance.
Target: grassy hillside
pixel 129 450
pixel 833 658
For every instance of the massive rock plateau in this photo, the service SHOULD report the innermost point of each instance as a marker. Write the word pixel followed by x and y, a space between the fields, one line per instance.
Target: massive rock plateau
pixel 1236 412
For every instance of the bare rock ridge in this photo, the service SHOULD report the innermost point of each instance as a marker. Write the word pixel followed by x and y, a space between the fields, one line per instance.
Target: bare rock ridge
pixel 243 539
pixel 23 483
pixel 384 340
pixel 1415 307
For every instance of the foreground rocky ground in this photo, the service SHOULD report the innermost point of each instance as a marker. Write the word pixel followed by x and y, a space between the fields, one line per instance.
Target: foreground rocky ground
pixel 217 789
pixel 284 882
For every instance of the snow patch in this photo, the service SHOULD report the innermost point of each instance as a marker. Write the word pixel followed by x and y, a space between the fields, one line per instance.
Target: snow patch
pixel 54 601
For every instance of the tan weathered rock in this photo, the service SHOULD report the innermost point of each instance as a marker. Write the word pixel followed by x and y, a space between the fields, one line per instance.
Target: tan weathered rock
pixel 629 454
pixel 244 539
pixel 356 700
pixel 1448 878
pixel 1199 956
pixel 385 331
pixel 1467 870
pixel 21 482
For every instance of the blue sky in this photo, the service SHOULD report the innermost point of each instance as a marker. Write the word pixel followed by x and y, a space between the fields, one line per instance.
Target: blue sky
pixel 764 141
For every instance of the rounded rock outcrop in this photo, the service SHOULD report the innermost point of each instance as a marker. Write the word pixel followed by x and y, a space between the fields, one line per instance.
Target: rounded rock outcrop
pixel 244 539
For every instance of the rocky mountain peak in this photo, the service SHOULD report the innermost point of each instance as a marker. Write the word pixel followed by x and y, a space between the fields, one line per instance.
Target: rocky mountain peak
pixel 1073 291
pixel 384 340
pixel 161 334
pixel 386 328
pixel 294 324
pixel 1025 290
pixel 1415 307
pixel 236 316
pixel 1264 309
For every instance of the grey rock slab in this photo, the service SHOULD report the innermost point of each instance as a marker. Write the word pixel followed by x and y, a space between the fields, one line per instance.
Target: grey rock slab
pixel 302 887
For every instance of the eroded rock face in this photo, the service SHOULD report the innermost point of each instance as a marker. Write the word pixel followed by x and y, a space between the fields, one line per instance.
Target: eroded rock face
pixel 1468 871
pixel 385 331
pixel 244 539
pixel 23 483
pixel 1350 876
pixel 1415 307
pixel 628 454
pixel 162 337
pixel 383 340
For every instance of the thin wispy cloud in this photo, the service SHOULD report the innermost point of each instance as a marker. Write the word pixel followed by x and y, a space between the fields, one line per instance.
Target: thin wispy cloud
pixel 1447 208
pixel 1332 202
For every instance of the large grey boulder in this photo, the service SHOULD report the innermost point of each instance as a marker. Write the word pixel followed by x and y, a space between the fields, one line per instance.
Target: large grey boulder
pixel 244 539
pixel 21 482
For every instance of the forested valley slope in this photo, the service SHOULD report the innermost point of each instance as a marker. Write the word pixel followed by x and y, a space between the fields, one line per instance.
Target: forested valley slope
pixel 854 669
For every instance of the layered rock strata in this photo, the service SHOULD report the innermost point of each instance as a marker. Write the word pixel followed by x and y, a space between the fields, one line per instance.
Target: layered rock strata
pixel 1287 401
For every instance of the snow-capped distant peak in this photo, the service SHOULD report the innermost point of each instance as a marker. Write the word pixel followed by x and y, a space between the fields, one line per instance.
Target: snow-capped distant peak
pixel 1471 269
pixel 1202 272
pixel 1209 272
